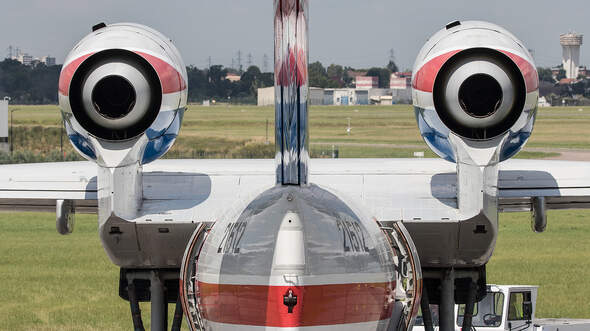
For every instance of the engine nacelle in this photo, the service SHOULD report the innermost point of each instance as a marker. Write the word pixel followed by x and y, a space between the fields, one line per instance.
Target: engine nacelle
pixel 475 92
pixel 123 93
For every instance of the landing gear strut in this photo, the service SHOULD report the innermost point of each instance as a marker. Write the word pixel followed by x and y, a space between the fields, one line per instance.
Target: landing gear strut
pixel 447 301
pixel 160 288
pixel 159 315
pixel 450 286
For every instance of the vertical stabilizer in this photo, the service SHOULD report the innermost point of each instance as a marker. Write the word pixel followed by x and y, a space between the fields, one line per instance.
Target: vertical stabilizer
pixel 291 92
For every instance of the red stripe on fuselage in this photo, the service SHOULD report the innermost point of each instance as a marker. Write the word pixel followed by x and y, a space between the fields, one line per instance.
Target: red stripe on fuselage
pixel 170 78
pixel 424 78
pixel 531 77
pixel 65 78
pixel 259 305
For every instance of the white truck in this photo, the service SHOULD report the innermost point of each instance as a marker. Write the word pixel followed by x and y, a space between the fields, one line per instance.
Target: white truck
pixel 507 307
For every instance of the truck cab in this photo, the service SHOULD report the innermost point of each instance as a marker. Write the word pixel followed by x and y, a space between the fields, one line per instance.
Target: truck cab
pixel 507 307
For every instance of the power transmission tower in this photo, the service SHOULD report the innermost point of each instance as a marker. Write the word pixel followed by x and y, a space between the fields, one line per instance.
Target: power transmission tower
pixel 249 60
pixel 240 61
pixel 265 63
pixel 209 61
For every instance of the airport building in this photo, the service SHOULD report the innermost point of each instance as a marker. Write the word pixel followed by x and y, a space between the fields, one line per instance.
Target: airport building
pixel 29 60
pixel 400 80
pixel 233 78
pixel 366 82
pixel 366 92
pixel 48 60
pixel 344 96
pixel 25 59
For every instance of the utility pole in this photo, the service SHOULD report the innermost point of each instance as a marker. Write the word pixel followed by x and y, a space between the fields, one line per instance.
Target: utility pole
pixel 266 142
pixel 265 63
pixel 209 61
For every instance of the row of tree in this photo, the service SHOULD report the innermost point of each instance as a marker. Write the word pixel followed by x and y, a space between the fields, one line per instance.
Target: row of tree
pixel 206 84
pixel 337 76
pixel 28 85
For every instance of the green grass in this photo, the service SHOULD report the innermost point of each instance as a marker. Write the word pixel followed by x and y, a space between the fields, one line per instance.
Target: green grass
pixel 53 282
pixel 557 260
pixel 241 131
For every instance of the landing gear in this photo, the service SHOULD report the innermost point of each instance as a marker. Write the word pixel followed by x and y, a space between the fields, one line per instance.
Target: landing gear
pixel 160 288
pixel 451 286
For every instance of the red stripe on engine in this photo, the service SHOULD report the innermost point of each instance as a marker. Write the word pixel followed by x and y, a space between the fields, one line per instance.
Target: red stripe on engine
pixel 531 77
pixel 170 78
pixel 259 305
pixel 424 78
pixel 65 78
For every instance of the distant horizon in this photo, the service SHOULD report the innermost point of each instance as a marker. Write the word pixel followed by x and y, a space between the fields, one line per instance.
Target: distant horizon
pixel 341 32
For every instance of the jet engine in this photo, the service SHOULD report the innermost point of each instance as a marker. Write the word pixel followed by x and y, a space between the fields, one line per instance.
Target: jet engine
pixel 475 89
pixel 123 92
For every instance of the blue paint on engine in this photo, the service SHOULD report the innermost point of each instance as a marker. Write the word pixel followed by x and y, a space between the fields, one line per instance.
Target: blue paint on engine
pixel 436 138
pixel 514 144
pixel 159 145
pixel 80 142
pixel 82 145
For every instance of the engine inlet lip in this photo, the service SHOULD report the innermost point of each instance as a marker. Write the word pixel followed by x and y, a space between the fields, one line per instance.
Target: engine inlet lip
pixel 129 88
pixel 467 87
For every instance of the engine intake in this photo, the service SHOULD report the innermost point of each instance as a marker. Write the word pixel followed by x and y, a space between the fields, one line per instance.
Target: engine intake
pixel 115 95
pixel 475 92
pixel 479 93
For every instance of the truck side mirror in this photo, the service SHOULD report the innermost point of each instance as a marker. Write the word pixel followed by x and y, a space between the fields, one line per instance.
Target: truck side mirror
pixel 527 310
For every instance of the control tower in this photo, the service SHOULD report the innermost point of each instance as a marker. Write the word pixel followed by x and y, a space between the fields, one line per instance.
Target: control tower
pixel 571 42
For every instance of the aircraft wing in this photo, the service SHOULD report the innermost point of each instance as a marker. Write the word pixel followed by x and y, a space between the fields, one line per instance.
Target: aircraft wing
pixel 392 189
pixel 37 186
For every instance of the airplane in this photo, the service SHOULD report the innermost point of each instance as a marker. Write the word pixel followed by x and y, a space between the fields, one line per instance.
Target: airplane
pixel 294 243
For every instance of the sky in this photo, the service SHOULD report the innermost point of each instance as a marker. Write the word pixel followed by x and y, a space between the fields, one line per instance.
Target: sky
pixel 359 34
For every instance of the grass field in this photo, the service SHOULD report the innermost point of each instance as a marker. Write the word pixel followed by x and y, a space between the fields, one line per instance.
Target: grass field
pixel 52 282
pixel 241 131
